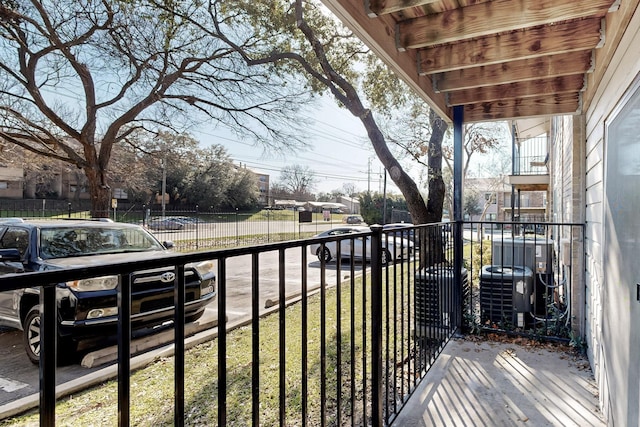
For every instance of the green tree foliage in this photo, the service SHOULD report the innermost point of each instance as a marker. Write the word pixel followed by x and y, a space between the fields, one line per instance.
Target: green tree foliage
pixel 372 207
pixel 471 205
pixel 215 182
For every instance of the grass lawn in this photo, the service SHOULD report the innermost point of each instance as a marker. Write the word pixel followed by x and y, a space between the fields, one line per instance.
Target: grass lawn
pixel 152 387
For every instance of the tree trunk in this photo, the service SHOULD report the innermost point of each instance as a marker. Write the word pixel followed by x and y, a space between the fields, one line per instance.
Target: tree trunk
pixel 99 192
pixel 431 240
pixel 437 188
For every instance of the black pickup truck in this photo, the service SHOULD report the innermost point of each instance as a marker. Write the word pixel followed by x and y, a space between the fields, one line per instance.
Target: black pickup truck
pixel 88 308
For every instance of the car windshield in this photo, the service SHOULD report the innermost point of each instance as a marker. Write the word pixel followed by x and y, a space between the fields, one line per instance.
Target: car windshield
pixel 61 242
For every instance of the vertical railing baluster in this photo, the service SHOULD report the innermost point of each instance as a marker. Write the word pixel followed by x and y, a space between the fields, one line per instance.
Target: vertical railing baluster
pixel 352 303
pixel 338 335
pixel 255 339
pixel 365 285
pixel 282 306
pixel 387 329
pixel 179 301
pixel 222 342
pixel 323 337
pixel 124 350
pixel 305 346
pixel 376 327
pixel 48 354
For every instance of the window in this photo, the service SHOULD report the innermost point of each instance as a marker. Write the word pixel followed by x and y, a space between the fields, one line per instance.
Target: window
pixel 490 198
pixel 17 238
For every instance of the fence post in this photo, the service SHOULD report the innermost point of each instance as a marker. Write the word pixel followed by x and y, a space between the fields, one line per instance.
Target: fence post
pixel 197 227
pixel 376 326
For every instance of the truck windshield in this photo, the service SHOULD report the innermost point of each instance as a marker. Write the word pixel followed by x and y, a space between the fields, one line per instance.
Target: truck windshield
pixel 61 242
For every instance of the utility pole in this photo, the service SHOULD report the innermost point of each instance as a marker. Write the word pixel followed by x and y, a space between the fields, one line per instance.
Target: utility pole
pixel 164 185
pixel 369 177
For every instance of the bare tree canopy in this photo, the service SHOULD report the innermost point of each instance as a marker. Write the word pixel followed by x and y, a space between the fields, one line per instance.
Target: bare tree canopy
pixel 305 37
pixel 77 77
pixel 297 181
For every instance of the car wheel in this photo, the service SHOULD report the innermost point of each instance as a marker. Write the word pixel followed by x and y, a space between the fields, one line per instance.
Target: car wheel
pixel 324 253
pixel 385 258
pixel 66 346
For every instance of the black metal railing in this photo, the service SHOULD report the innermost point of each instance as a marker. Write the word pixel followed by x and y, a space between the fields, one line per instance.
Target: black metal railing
pixel 364 332
pixel 340 342
pixel 530 156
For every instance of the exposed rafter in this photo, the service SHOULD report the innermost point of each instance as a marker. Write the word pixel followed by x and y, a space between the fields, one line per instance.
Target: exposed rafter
pixel 500 59
pixel 530 43
pixel 384 7
pixel 524 89
pixel 482 19
pixel 510 72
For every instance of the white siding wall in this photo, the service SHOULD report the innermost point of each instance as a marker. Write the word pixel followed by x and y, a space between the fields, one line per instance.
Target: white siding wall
pixel 619 75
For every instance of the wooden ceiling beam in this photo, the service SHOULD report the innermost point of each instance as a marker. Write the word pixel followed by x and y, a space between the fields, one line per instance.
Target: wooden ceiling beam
pixel 384 7
pixel 530 43
pixel 528 107
pixel 509 72
pixel 483 19
pixel 531 88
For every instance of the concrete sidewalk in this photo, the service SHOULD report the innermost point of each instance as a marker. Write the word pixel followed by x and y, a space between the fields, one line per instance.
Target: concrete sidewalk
pixel 486 383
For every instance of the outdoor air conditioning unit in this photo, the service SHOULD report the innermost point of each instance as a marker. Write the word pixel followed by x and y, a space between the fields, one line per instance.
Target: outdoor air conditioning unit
pixel 527 252
pixel 534 253
pixel 506 294
pixel 434 302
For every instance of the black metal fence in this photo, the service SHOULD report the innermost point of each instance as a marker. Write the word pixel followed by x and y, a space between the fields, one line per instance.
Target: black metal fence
pixel 340 342
pixel 188 228
pixel 530 156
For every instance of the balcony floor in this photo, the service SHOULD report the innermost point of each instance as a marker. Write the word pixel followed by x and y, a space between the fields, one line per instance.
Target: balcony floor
pixel 487 383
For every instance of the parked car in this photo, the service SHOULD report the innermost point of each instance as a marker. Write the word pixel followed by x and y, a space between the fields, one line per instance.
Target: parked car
pixel 186 221
pixel 401 229
pixel 352 219
pixel 161 224
pixel 392 248
pixel 88 308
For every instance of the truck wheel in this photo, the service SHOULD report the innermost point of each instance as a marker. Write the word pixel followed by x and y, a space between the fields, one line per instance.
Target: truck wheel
pixel 31 334
pixel 31 337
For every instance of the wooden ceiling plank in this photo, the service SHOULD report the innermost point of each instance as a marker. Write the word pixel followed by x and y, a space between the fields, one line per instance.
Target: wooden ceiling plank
pixel 531 88
pixel 483 19
pixel 530 43
pixel 531 107
pixel 509 72
pixel 385 7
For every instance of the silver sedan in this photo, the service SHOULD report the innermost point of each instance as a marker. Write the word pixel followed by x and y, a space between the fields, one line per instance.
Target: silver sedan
pixel 392 248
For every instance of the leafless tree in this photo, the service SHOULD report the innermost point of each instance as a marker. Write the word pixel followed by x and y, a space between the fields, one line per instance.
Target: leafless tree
pixel 298 181
pixel 79 77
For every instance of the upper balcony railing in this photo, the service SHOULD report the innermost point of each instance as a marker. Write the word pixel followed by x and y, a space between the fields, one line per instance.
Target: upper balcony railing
pixel 530 156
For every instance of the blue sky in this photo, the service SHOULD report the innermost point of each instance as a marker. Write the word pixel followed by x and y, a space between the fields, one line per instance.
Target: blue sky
pixel 338 152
